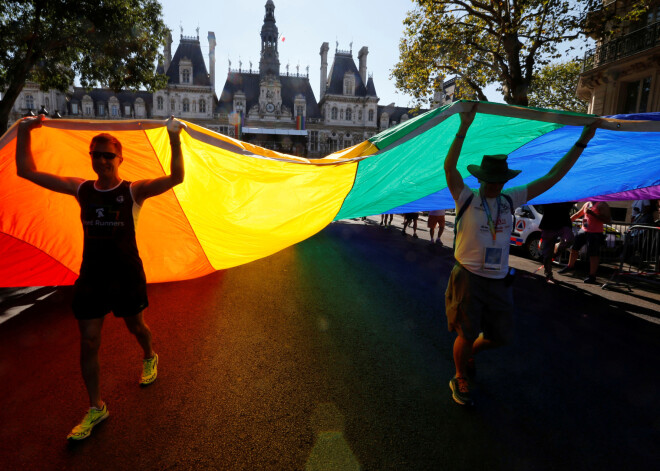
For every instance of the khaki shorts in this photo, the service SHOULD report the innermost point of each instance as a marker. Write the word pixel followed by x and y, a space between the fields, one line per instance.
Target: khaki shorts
pixel 475 304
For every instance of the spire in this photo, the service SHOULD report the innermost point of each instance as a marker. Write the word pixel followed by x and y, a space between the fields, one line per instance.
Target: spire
pixel 269 63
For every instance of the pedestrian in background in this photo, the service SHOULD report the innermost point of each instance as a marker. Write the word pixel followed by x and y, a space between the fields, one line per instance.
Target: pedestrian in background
pixel 436 218
pixel 555 224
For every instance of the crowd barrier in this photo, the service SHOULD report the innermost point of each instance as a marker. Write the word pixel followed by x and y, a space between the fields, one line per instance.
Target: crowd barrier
pixel 639 261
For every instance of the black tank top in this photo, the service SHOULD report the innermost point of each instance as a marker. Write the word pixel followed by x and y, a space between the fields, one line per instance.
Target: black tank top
pixel 109 218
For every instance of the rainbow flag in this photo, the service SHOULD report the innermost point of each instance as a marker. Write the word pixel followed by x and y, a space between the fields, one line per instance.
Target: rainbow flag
pixel 240 202
pixel 300 122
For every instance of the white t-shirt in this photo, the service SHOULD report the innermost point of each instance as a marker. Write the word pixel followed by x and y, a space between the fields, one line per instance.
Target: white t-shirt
pixel 475 248
pixel 437 212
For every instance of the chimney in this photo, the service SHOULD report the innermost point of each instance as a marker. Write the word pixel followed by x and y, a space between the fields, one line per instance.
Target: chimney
pixel 168 51
pixel 324 68
pixel 362 57
pixel 211 38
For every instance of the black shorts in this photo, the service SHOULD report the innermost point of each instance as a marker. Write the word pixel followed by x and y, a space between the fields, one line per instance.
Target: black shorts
pixel 93 299
pixel 593 240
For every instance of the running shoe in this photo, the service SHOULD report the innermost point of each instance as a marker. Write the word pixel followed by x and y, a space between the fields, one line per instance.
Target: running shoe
pixel 93 417
pixel 566 269
pixel 591 279
pixel 149 370
pixel 460 391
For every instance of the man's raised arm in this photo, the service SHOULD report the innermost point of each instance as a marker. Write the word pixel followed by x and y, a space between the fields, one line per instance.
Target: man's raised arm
pixel 562 167
pixel 26 167
pixel 454 179
pixel 144 189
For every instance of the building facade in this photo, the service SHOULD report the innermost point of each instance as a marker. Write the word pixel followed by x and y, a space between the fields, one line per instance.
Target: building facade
pixel 280 111
pixel 622 74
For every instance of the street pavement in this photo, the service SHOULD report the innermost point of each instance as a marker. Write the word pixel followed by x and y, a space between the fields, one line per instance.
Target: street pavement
pixel 334 355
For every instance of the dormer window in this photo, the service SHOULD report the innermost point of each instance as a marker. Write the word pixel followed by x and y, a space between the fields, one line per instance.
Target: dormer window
pixel 349 84
pixel 185 70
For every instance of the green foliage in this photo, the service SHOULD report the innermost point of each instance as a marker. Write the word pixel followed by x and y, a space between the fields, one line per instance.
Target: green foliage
pixel 554 87
pixel 485 42
pixel 112 43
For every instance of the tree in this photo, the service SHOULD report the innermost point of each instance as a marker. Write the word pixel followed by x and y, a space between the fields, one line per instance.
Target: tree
pixel 554 87
pixel 113 43
pixel 485 41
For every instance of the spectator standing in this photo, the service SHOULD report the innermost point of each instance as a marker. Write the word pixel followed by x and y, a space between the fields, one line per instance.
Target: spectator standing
pixel 594 217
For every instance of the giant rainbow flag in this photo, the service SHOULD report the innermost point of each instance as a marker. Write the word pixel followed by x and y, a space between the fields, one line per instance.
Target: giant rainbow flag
pixel 240 202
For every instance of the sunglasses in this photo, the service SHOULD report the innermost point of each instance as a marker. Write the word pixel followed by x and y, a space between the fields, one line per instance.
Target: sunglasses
pixel 105 155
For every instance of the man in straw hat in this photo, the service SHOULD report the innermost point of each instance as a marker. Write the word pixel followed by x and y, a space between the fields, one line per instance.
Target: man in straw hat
pixel 479 301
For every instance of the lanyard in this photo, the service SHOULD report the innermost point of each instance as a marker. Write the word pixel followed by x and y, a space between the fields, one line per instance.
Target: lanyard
pixel 491 225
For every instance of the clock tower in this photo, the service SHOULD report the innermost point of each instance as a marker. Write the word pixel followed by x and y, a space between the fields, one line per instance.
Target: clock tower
pixel 270 93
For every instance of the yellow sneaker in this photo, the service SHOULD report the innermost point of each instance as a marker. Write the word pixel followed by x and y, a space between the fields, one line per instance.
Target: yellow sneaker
pixel 149 370
pixel 84 429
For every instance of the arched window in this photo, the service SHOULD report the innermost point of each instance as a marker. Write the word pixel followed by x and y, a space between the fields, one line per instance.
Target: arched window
pixel 29 102
pixel 194 106
pixel 349 114
pixel 359 115
pixel 186 76
pixel 186 105
pixel 172 105
pixel 333 113
pixel 202 106
pixel 47 103
pixel 159 102
pixel 371 115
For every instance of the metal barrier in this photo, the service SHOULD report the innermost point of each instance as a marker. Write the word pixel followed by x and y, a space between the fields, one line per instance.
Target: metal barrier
pixel 640 257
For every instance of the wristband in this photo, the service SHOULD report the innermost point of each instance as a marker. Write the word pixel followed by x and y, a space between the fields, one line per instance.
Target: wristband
pixel 460 136
pixel 580 145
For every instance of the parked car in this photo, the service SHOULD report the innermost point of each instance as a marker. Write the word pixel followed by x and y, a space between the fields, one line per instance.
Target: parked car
pixel 526 233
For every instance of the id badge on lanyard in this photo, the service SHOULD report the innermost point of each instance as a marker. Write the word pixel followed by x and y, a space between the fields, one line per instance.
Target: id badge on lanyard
pixel 492 260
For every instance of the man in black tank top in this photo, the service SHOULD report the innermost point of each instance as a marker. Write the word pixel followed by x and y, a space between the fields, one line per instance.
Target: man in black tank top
pixel 111 274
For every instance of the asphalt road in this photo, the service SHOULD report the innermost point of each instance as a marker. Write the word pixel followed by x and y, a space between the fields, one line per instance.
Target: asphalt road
pixel 334 355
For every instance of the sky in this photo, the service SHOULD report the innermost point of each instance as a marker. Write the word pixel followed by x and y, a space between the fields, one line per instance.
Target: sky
pixel 304 25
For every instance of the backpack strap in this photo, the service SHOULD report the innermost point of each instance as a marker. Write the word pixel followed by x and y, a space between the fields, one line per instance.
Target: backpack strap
pixel 460 214
pixel 510 201
pixel 467 204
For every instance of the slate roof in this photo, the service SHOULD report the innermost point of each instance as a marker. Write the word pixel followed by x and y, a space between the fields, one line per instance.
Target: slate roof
pixel 190 48
pixel 102 95
pixel 248 83
pixel 342 63
pixel 371 88
pixel 396 112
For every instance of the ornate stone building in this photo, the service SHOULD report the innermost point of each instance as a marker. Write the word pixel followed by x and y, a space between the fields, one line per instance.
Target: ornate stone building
pixel 280 111
pixel 189 94
pixel 622 74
